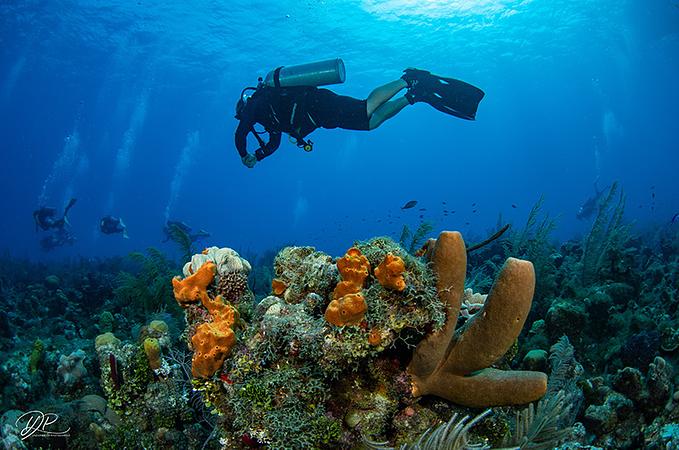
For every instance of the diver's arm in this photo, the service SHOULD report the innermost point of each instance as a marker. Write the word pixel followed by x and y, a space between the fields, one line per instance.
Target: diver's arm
pixel 270 147
pixel 241 137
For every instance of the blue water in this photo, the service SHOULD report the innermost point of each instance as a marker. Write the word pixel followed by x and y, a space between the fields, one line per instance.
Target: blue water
pixel 129 107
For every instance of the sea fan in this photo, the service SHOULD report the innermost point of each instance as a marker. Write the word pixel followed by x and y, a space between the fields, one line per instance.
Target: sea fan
pixel 537 429
pixel 451 435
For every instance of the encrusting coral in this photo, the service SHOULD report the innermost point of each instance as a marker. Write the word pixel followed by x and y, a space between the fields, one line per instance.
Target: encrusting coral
pixel 348 305
pixel 390 272
pixel 455 365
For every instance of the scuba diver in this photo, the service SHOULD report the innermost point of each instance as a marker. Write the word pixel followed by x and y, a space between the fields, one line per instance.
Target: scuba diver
pixel 173 227
pixel 113 225
pixel 45 217
pixel 289 101
pixel 59 238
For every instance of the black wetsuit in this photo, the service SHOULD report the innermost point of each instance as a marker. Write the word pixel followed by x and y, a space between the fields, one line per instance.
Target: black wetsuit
pixel 297 111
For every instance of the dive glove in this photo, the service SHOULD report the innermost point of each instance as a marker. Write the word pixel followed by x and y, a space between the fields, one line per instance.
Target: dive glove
pixel 249 160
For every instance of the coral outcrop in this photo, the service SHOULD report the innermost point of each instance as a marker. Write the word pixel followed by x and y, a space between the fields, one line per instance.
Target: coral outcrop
pixel 455 364
pixel 300 271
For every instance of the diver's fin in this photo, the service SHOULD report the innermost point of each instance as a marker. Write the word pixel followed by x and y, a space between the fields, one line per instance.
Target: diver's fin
pixel 125 234
pixel 448 95
pixel 71 202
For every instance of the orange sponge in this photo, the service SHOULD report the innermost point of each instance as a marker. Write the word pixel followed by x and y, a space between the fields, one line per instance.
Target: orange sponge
pixel 212 343
pixel 354 269
pixel 390 272
pixel 348 310
pixel 278 286
pixel 192 288
pixel 348 305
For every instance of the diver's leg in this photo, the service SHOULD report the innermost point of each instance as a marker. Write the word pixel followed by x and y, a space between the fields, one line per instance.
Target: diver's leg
pixel 387 111
pixel 382 94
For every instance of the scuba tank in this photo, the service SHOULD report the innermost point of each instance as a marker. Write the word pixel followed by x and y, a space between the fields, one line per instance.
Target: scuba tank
pixel 319 73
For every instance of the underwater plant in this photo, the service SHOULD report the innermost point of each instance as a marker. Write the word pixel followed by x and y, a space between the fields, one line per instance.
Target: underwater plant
pixel 413 240
pixel 608 231
pixel 145 290
pixel 180 236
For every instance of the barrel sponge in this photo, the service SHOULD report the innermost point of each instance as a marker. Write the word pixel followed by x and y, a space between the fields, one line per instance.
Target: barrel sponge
pixel 390 272
pixel 192 288
pixel 348 310
pixel 212 343
pixel 152 350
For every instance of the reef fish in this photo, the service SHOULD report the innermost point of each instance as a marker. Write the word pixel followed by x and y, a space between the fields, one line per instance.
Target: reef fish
pixel 409 205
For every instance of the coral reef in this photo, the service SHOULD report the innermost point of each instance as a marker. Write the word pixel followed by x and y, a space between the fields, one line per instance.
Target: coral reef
pixel 340 338
pixel 292 379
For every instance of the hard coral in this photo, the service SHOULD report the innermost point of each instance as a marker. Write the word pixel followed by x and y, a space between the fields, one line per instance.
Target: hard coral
pixel 192 288
pixel 390 272
pixel 455 365
pixel 232 285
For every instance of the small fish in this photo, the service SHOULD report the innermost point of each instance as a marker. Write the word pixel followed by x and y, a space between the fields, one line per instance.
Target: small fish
pixel 674 218
pixel 409 205
pixel 452 212
pixel 473 204
pixel 423 209
pixel 513 206
pixel 653 195
pixel 421 216
pixel 379 220
pixel 443 203
pixel 473 210
pixel 466 223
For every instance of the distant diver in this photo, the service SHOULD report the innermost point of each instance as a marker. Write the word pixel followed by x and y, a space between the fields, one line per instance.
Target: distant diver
pixel 289 101
pixel 45 217
pixel 590 205
pixel 172 227
pixel 113 225
pixel 57 239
